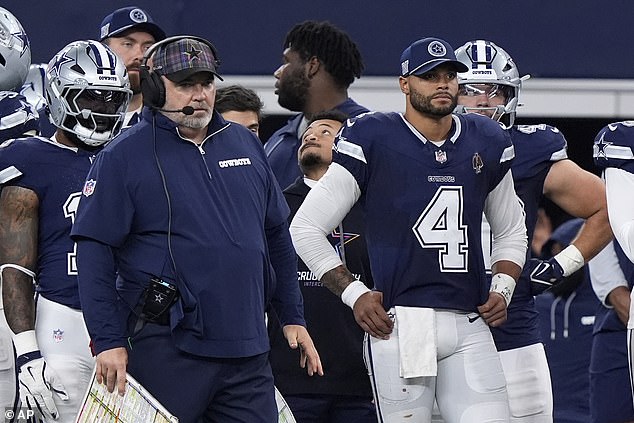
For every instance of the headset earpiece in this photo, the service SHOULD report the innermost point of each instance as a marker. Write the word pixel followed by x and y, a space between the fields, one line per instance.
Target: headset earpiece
pixel 152 86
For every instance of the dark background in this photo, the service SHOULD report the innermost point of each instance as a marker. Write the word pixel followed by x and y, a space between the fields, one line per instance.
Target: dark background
pixel 547 39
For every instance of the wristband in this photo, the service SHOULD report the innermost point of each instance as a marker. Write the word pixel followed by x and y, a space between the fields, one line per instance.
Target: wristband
pixel 570 259
pixel 25 342
pixel 504 285
pixel 351 294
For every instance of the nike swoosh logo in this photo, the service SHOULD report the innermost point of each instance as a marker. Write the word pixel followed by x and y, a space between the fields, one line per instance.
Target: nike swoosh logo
pixel 473 319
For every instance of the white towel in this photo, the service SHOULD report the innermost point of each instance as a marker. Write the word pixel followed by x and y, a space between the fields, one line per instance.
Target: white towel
pixel 416 341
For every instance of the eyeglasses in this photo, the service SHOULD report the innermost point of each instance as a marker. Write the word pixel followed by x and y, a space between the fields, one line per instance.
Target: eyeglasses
pixel 489 90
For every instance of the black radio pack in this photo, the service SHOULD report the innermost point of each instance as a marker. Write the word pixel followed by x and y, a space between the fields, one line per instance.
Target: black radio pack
pixel 159 297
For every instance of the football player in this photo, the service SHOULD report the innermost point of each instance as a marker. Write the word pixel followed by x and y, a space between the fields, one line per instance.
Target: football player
pixel 613 152
pixel 87 91
pixel 424 178
pixel 15 58
pixel 491 87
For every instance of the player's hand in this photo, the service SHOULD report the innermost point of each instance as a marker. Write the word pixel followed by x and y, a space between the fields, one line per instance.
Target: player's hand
pixel 494 310
pixel 371 316
pixel 297 336
pixel 619 298
pixel 544 274
pixel 111 368
pixel 38 382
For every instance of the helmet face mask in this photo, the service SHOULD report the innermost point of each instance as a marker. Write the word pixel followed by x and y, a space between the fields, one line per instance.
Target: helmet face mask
pixel 489 64
pixel 88 91
pixel 15 52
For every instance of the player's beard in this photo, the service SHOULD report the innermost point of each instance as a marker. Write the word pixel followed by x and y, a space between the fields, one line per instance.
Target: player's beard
pixel 310 161
pixel 292 91
pixel 423 104
pixel 135 82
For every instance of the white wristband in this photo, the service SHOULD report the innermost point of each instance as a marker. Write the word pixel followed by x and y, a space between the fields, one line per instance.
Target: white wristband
pixel 504 285
pixel 25 342
pixel 351 294
pixel 570 259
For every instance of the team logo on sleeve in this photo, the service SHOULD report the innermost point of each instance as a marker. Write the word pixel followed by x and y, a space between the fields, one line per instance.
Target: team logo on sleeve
pixel 89 187
pixel 600 147
pixel 477 162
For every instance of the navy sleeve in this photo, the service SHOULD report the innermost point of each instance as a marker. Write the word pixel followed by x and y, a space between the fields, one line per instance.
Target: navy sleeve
pixel 287 298
pixel 98 295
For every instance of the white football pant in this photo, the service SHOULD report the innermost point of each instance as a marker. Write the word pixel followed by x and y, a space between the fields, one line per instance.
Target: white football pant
pixel 469 386
pixel 528 384
pixel 65 345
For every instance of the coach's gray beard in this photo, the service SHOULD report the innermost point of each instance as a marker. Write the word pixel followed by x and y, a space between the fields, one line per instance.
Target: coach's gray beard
pixel 195 122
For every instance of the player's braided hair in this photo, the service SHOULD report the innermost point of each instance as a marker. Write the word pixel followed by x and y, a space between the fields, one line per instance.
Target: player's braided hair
pixel 330 45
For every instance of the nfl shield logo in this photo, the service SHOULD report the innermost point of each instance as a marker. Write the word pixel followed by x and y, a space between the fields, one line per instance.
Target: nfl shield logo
pixel 58 335
pixel 441 156
pixel 89 187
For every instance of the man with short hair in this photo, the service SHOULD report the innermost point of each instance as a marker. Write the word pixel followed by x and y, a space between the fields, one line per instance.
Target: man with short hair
pixel 424 179
pixel 240 105
pixel 129 32
pixel 344 393
pixel 319 63
pixel 201 246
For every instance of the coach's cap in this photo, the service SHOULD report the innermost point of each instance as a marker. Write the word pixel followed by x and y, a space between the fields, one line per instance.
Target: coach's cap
pixel 425 54
pixel 183 57
pixel 127 18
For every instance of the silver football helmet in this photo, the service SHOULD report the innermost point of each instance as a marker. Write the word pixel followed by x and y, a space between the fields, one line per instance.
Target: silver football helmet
pixel 33 88
pixel 15 52
pixel 88 91
pixel 490 64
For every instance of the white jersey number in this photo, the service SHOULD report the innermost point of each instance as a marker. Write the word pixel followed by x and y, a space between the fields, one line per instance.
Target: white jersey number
pixel 441 226
pixel 70 210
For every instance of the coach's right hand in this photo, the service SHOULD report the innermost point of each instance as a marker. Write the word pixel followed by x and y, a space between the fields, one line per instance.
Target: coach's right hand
pixel 111 369
pixel 371 316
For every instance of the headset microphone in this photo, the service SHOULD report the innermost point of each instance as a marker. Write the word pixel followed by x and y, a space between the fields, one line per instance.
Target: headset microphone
pixel 187 110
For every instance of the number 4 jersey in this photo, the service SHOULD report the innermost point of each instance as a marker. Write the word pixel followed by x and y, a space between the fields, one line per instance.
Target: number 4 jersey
pixel 56 174
pixel 424 205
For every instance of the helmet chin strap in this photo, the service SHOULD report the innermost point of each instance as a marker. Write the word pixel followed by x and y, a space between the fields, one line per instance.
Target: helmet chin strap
pixel 90 136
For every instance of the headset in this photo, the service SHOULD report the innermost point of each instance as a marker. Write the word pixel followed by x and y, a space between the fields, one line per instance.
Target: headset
pixel 152 86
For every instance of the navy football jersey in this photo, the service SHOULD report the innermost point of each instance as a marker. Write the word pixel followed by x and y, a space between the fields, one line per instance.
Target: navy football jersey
pixel 537 147
pixel 613 146
pixel 56 173
pixel 424 205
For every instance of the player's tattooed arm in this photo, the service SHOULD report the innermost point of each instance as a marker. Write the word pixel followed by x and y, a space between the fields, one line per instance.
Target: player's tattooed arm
pixel 18 246
pixel 337 279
